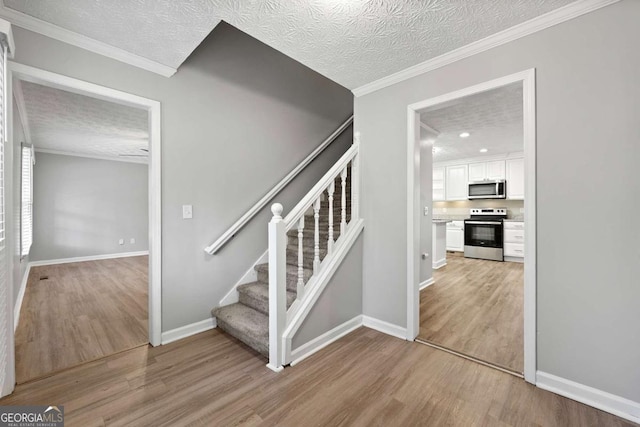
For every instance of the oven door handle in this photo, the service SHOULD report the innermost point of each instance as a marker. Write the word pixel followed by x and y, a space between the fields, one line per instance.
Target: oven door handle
pixel 482 223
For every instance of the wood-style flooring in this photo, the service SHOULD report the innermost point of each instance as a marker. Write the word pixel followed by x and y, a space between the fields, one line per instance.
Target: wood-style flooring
pixel 83 311
pixel 364 379
pixel 475 307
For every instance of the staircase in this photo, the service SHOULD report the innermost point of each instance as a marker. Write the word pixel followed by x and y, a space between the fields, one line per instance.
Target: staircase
pixel 248 319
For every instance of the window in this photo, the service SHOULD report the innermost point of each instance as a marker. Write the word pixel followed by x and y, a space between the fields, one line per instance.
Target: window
pixel 26 220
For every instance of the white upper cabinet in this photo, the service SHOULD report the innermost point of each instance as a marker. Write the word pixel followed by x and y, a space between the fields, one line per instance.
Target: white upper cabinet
pixel 515 179
pixel 487 171
pixel 457 182
pixel 496 170
pixel 438 184
pixel 477 172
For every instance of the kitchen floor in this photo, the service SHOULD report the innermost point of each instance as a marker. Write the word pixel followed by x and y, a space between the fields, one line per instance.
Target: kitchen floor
pixel 475 307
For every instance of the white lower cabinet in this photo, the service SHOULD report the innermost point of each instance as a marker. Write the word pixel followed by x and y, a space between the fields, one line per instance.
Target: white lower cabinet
pixel 514 241
pixel 455 236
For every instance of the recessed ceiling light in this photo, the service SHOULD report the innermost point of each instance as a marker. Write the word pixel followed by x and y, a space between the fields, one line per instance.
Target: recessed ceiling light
pixel 465 135
pixel 483 150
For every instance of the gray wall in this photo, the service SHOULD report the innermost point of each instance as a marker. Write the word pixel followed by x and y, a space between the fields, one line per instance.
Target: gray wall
pixel 236 118
pixel 426 200
pixel 14 170
pixel 82 207
pixel 588 105
pixel 340 301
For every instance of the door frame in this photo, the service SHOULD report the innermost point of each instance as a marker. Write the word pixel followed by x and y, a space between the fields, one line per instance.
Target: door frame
pixel 527 78
pixel 58 81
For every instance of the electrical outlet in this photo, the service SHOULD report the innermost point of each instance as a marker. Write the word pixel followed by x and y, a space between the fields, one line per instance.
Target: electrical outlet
pixel 132 241
pixel 121 242
pixel 187 211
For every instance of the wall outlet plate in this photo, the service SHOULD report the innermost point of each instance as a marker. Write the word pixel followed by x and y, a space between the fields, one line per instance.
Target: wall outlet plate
pixel 132 241
pixel 121 242
pixel 187 211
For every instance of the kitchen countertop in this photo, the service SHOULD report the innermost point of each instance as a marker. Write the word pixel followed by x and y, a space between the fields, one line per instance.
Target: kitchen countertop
pixel 441 221
pixel 514 220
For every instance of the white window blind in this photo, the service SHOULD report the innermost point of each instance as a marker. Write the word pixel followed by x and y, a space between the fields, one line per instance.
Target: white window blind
pixel 26 221
pixel 5 304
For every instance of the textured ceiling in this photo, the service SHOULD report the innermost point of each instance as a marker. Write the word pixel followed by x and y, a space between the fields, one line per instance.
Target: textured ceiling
pixel 353 42
pixel 493 118
pixel 77 124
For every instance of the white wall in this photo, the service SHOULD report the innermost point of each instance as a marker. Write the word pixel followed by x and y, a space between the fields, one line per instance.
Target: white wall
pixel 83 207
pixel 236 118
pixel 588 105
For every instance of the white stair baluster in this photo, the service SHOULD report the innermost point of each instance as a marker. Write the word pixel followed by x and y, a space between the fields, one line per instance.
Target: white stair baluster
pixel 300 287
pixel 343 222
pixel 316 247
pixel 331 190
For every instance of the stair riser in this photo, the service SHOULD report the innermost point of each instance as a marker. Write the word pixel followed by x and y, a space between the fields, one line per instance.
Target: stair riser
pixel 292 279
pixel 257 304
pixel 259 347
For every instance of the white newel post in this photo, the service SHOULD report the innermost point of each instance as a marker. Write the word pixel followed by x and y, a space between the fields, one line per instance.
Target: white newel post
pixel 277 286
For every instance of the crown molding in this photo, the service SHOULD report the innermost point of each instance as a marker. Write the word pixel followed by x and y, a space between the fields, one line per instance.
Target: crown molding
pixel 22 109
pixel 92 156
pixel 555 17
pixel 5 28
pixel 58 33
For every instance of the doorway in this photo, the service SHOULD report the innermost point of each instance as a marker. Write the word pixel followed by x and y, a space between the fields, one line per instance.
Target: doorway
pixel 417 214
pixel 117 273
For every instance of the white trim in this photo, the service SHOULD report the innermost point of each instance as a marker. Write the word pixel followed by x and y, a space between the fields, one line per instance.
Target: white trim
pixel 384 327
pixel 320 282
pixel 86 258
pixel 58 81
pixel 514 259
pixel 427 282
pixel 188 330
pixel 5 28
pixel 439 264
pixel 18 305
pixel 251 275
pixel 539 23
pixel 317 344
pixel 260 204
pixel 58 33
pixel 22 110
pixel 611 403
pixel 527 78
pixel 136 160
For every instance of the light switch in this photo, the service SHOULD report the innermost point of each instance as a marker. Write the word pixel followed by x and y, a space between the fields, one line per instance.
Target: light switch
pixel 132 241
pixel 121 242
pixel 187 211
pixel 426 210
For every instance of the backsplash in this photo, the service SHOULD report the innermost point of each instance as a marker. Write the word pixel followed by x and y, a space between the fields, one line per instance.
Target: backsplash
pixel 460 209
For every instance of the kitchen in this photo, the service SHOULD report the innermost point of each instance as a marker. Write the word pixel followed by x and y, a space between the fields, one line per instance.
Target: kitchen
pixel 474 306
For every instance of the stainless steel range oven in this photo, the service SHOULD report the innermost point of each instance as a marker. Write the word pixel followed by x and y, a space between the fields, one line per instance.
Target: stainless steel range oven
pixel 483 234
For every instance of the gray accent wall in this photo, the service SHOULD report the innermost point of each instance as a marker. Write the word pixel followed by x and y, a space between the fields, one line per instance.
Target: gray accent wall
pixel 236 118
pixel 340 301
pixel 588 106
pixel 83 207
pixel 13 207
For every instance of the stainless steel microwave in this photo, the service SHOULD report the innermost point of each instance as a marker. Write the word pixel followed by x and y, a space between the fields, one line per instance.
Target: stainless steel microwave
pixel 488 190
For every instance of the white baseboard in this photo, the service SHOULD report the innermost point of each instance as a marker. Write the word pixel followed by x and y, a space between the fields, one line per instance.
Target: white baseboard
pixel 317 344
pixel 427 283
pixel 18 306
pixel 616 405
pixel 188 330
pixel 249 276
pixel 439 264
pixel 87 258
pixel 385 327
pixel 514 259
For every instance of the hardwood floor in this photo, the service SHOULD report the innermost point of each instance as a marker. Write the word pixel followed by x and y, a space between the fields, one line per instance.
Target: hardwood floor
pixel 366 378
pixel 475 307
pixel 82 312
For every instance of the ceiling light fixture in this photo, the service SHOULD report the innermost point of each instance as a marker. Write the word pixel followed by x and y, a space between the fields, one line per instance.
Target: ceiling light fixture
pixel 465 135
pixel 483 150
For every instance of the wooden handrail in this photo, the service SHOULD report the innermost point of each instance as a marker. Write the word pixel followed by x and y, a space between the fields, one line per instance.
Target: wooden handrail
pixel 253 211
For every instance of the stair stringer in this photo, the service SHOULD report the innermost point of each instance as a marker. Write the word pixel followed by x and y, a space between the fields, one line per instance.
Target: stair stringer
pixel 250 276
pixel 301 308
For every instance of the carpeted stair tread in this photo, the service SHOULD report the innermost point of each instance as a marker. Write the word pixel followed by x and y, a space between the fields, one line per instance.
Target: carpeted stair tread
pixel 256 296
pixel 246 324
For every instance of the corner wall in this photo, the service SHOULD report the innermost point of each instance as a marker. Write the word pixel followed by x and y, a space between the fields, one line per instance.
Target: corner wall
pixel 588 104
